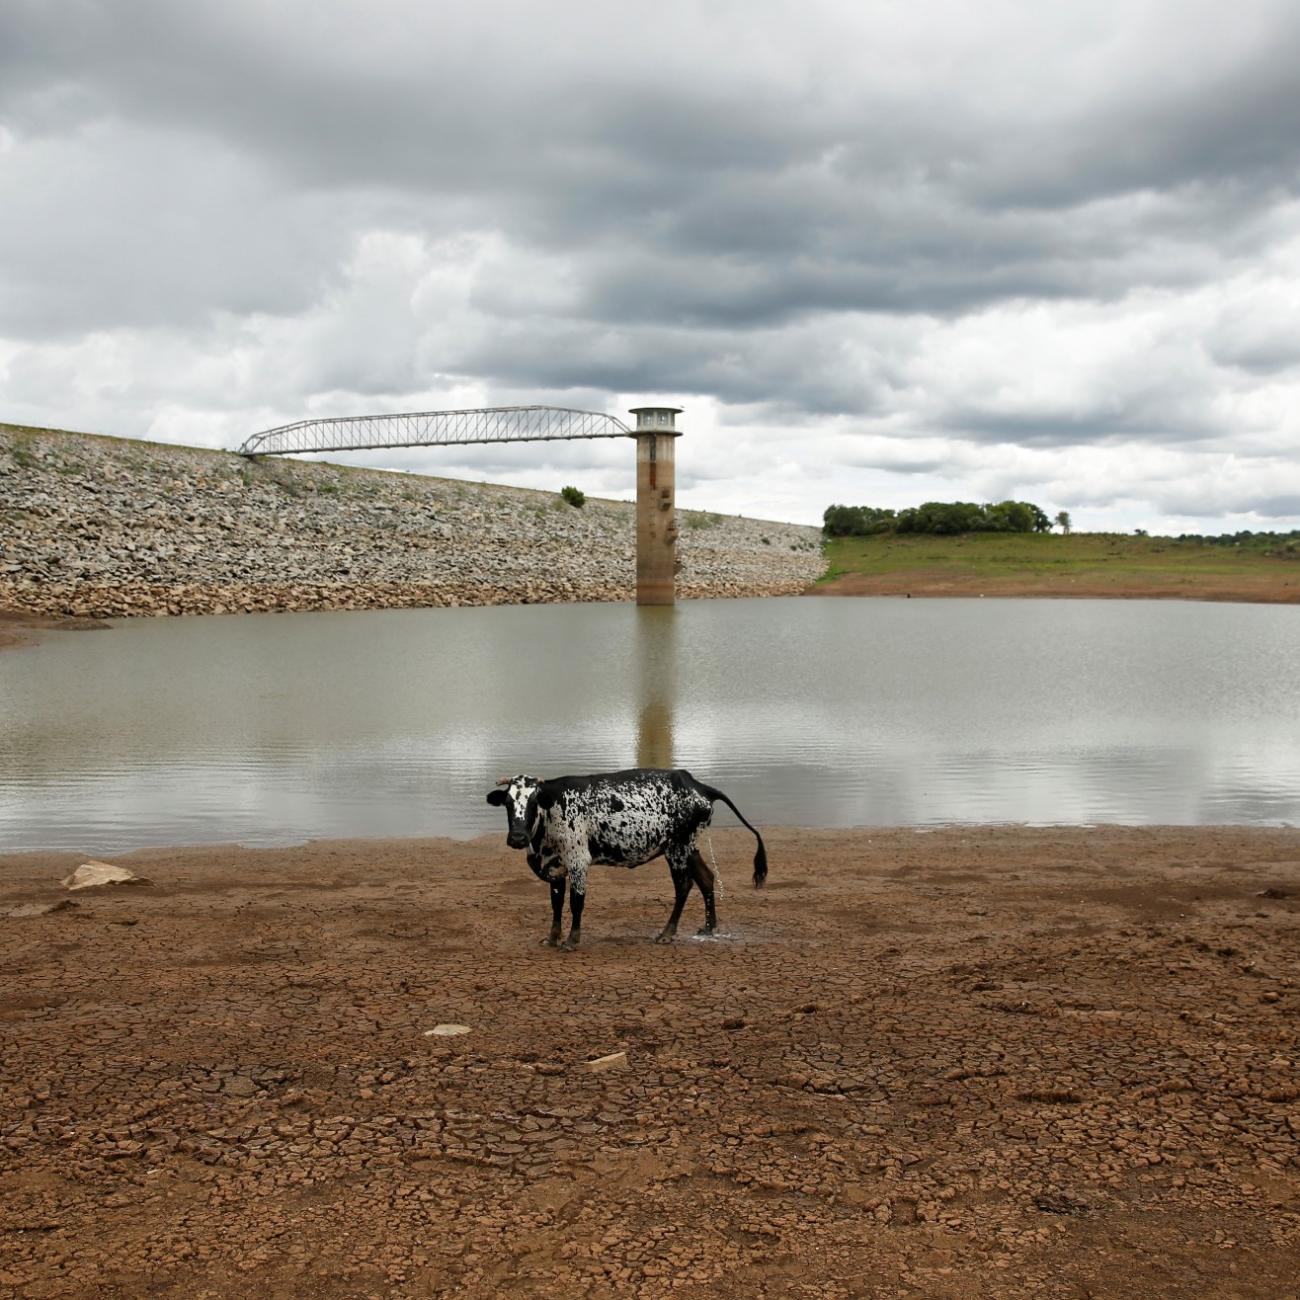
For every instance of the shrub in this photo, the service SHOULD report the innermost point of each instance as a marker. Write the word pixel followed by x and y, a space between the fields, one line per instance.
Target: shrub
pixel 574 497
pixel 697 520
pixel 856 521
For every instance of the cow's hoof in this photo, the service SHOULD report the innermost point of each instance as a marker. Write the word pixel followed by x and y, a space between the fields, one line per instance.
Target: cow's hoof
pixel 550 942
pixel 705 932
pixel 667 936
pixel 569 945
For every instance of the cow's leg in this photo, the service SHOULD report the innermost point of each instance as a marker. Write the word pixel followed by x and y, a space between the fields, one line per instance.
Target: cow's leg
pixel 703 876
pixel 577 901
pixel 681 874
pixel 552 940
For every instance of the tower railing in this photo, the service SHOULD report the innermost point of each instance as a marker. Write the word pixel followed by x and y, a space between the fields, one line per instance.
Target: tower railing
pixel 434 429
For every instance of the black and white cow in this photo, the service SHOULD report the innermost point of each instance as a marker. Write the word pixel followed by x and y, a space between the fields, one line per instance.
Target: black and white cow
pixel 617 819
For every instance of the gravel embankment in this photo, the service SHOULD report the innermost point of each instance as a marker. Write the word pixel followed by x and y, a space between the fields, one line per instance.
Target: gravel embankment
pixel 105 527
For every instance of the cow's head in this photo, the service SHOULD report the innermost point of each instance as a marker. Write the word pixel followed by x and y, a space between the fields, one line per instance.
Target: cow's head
pixel 518 796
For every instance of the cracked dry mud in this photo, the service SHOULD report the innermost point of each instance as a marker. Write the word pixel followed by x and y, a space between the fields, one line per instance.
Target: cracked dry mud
pixel 978 1062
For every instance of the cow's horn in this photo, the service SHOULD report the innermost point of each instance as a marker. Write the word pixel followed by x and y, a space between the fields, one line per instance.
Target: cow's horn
pixel 505 780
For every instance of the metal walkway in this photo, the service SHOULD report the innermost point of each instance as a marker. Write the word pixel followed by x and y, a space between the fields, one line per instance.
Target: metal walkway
pixel 434 429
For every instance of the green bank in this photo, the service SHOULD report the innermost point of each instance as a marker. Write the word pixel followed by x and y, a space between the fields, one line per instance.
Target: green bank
pixel 1259 567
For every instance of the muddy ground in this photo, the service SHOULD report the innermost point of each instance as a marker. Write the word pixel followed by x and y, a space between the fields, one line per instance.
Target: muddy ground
pixel 993 1062
pixel 18 627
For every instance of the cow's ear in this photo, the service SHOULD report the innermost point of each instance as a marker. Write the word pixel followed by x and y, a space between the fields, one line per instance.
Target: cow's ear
pixel 496 797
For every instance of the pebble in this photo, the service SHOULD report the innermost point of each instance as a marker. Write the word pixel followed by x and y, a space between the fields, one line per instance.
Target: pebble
pixel 614 1061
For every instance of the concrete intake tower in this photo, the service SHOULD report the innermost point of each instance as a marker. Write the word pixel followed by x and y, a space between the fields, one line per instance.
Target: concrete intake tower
pixel 656 514
pixel 655 433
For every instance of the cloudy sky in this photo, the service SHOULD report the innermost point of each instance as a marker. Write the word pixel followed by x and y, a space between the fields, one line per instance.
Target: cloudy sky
pixel 882 251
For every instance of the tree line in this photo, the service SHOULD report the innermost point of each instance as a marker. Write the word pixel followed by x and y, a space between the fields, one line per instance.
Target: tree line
pixel 952 517
pixel 1244 537
pixel 945 517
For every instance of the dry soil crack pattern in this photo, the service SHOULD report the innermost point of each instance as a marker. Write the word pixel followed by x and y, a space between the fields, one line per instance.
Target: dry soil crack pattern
pixel 977 1062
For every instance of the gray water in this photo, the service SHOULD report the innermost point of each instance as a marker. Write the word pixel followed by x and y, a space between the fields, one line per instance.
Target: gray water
pixel 818 712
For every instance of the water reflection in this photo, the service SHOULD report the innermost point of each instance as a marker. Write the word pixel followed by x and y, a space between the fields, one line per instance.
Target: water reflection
pixel 811 712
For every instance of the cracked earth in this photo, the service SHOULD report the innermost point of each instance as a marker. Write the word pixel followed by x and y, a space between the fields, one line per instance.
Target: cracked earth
pixel 968 1063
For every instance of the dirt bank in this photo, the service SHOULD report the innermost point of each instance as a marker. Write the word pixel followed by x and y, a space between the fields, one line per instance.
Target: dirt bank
pixel 1282 588
pixel 17 627
pixel 995 1062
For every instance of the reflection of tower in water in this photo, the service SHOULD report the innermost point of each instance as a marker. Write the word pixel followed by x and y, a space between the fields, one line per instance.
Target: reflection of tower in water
pixel 656 650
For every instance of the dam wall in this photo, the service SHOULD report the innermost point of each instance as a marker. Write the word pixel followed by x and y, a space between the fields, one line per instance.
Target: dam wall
pixel 104 527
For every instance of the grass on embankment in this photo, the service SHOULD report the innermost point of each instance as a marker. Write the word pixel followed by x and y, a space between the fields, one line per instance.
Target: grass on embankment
pixel 1038 564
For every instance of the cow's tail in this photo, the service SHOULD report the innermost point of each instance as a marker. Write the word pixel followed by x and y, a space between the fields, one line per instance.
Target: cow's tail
pixel 760 857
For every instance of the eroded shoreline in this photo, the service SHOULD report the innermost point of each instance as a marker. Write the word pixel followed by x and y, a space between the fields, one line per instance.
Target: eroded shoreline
pixel 19 628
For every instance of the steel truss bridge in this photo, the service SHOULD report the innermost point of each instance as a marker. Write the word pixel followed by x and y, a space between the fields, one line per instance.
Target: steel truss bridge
pixel 434 429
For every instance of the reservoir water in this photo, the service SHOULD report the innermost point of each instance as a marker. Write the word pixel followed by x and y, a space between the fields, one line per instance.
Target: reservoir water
pixel 268 729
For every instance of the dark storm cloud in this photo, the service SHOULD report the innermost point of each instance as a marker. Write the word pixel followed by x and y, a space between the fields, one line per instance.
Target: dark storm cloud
pixel 169 237
pixel 1266 359
pixel 805 364
pixel 725 199
pixel 1163 130
pixel 1267 347
pixel 1276 507
pixel 1138 421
